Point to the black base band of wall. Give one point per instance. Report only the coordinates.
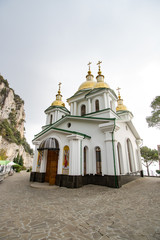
(37, 177)
(79, 181)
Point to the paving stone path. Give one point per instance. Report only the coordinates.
(91, 212)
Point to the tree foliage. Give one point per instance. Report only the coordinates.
(149, 155)
(18, 160)
(3, 155)
(154, 119)
(12, 135)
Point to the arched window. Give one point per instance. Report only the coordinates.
(119, 153)
(83, 110)
(85, 158)
(51, 119)
(130, 155)
(97, 105)
(98, 161)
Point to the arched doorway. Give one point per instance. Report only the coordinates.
(51, 144)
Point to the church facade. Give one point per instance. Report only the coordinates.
(93, 143)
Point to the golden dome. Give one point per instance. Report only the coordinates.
(101, 85)
(121, 106)
(89, 83)
(58, 101)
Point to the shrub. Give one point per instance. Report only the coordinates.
(23, 168)
(17, 168)
(158, 171)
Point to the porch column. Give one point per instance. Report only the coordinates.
(44, 162)
(75, 161)
(34, 165)
(111, 162)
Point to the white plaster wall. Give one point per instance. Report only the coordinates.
(79, 104)
(56, 115)
(121, 136)
(101, 103)
(97, 139)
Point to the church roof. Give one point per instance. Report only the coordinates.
(61, 107)
(55, 125)
(51, 127)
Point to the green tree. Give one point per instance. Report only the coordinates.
(149, 155)
(21, 161)
(154, 119)
(18, 160)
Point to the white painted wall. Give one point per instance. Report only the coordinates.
(121, 136)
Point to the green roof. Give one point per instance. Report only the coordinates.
(100, 111)
(52, 107)
(61, 130)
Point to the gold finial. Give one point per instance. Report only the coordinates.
(99, 62)
(119, 96)
(59, 91)
(89, 71)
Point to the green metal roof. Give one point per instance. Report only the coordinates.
(52, 107)
(61, 130)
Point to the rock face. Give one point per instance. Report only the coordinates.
(12, 112)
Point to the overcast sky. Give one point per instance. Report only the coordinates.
(44, 42)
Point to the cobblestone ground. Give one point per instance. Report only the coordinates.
(91, 212)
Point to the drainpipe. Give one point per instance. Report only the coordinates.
(81, 157)
(116, 182)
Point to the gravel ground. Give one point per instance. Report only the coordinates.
(42, 212)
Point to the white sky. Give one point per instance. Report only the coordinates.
(43, 42)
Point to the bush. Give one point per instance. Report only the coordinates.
(23, 168)
(17, 168)
(158, 171)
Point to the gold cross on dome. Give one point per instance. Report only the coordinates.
(89, 65)
(118, 92)
(59, 85)
(99, 62)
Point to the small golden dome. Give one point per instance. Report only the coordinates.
(89, 83)
(121, 106)
(100, 79)
(58, 101)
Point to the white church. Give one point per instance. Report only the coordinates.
(93, 143)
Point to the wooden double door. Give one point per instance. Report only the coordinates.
(51, 169)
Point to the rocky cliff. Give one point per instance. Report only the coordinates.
(12, 118)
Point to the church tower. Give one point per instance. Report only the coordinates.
(57, 110)
(94, 98)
